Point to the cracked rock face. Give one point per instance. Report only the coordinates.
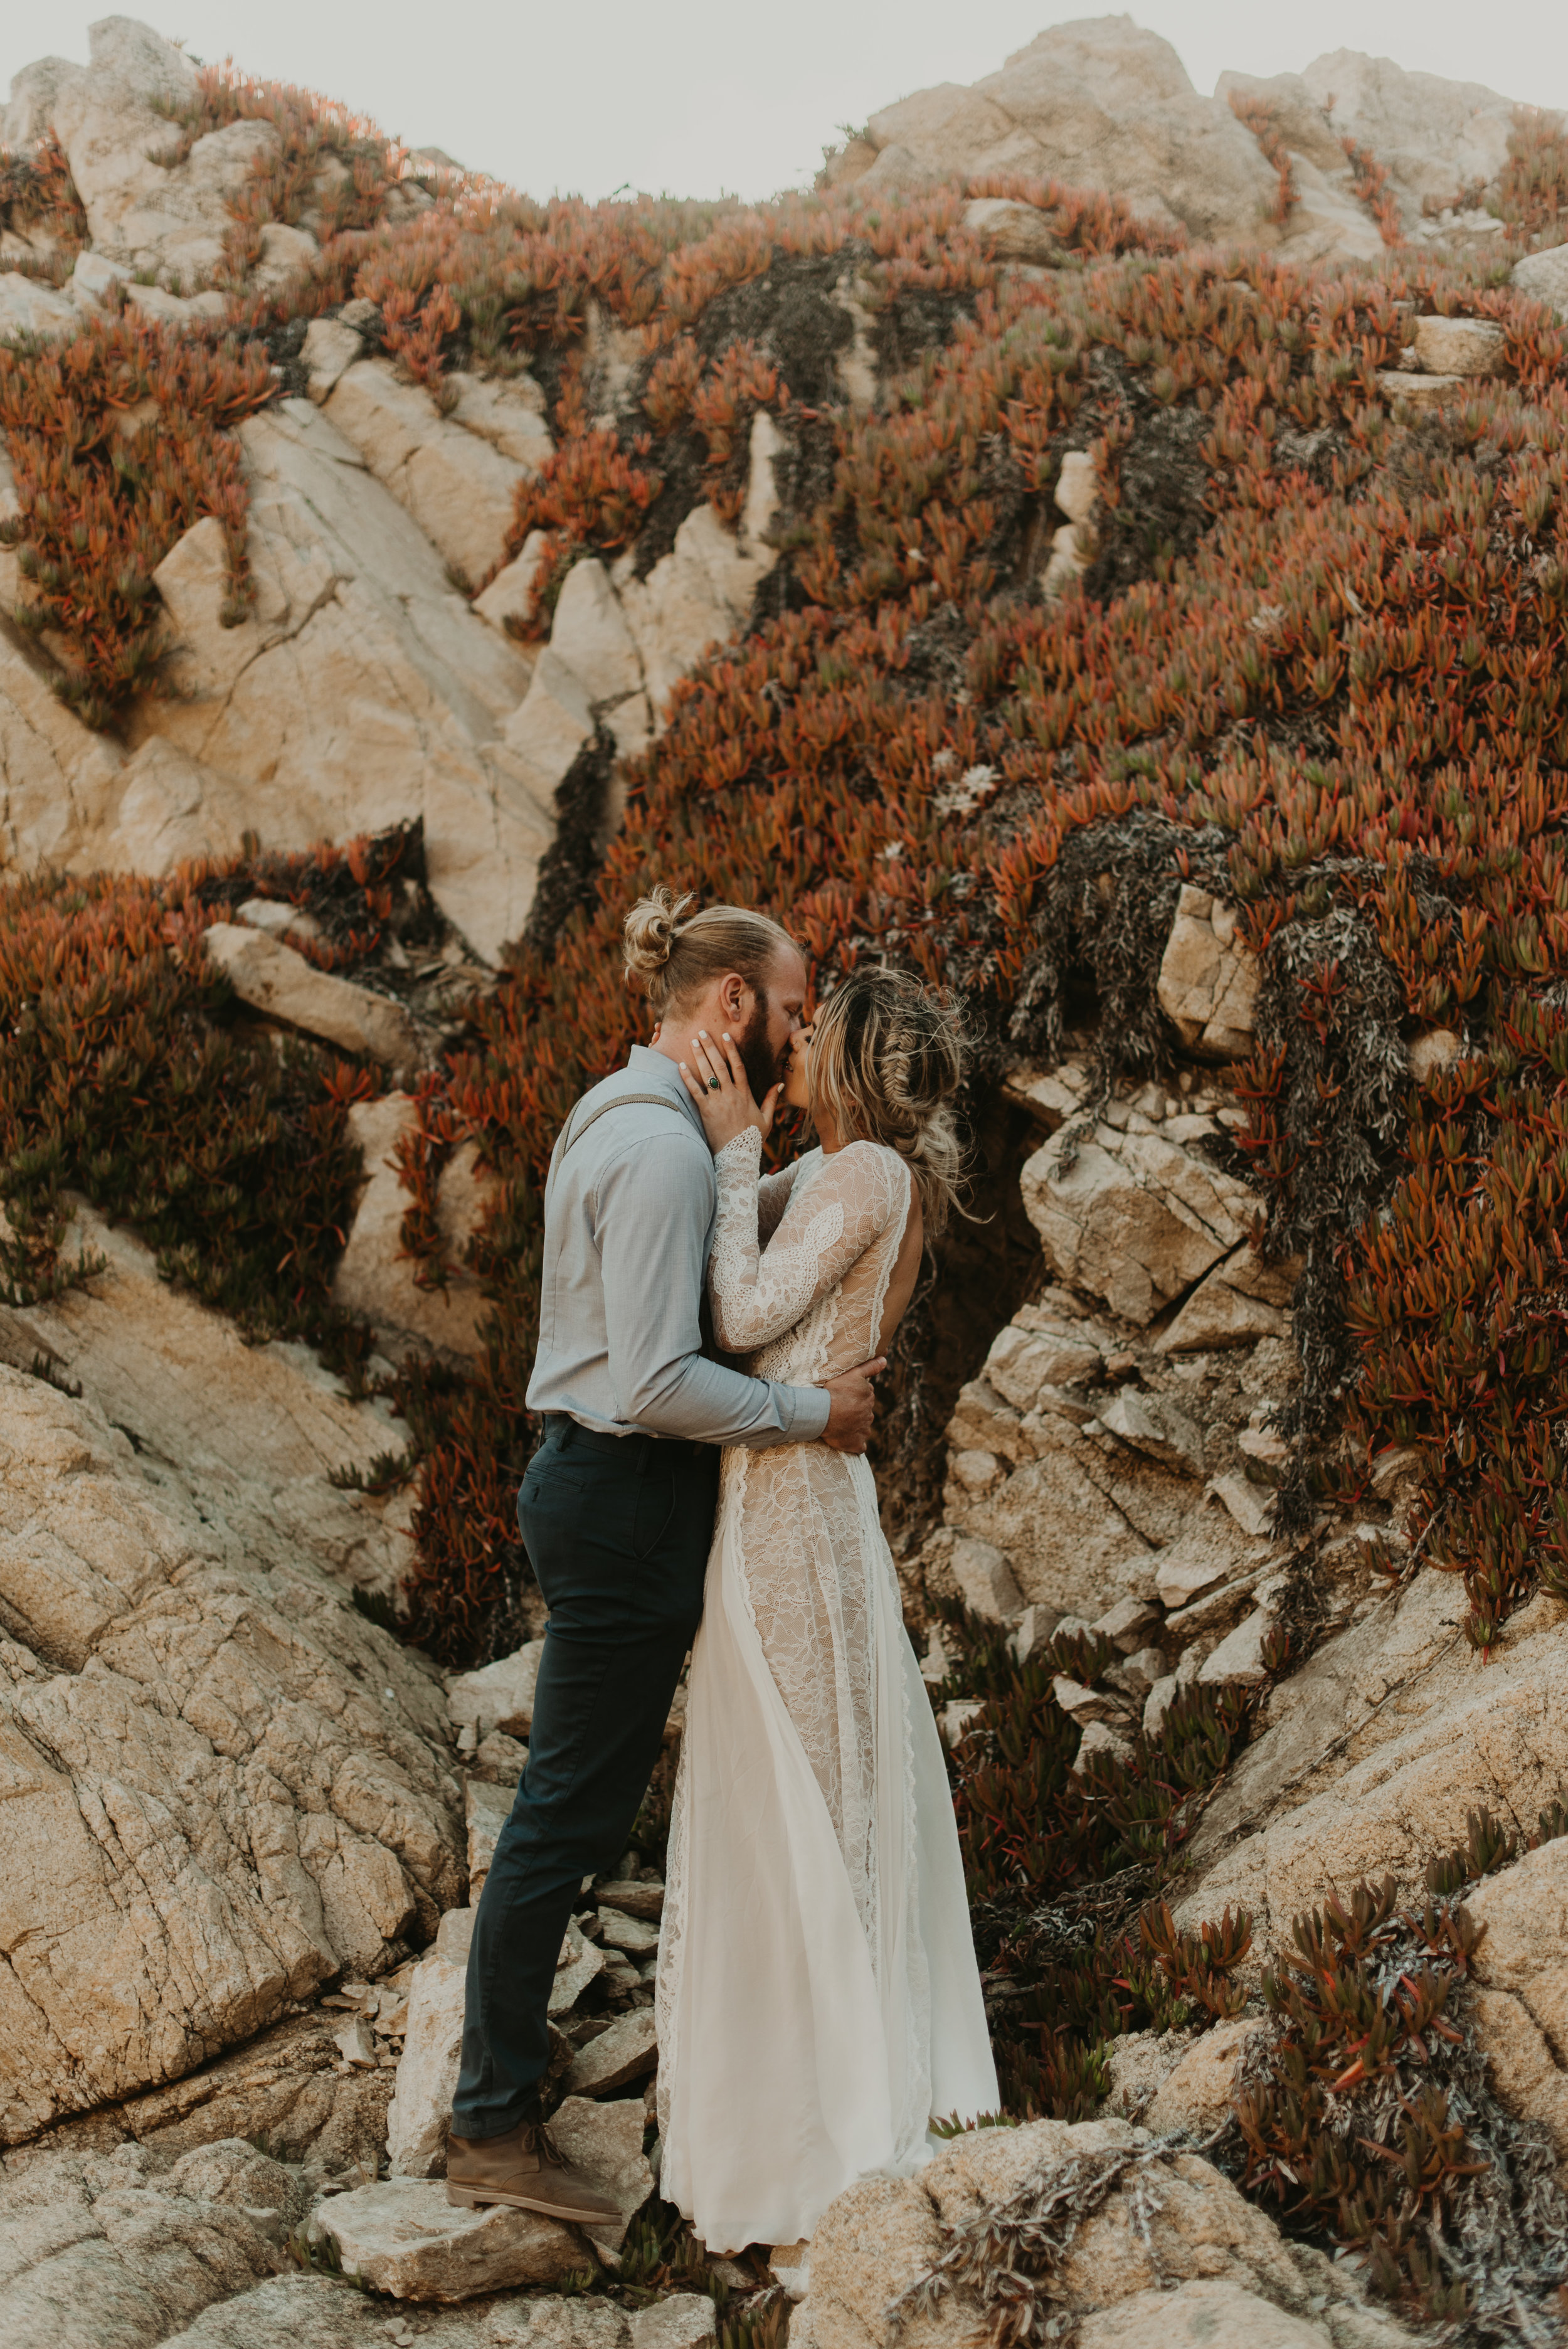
(458, 484)
(1207, 983)
(1135, 1219)
(1170, 2226)
(223, 1783)
(1083, 1492)
(1102, 102)
(1374, 1751)
(131, 2249)
(362, 689)
(242, 1439)
(1068, 1511)
(125, 2250)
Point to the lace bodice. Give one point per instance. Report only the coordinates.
(798, 1278)
(801, 1259)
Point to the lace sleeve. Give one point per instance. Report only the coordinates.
(773, 1198)
(758, 1293)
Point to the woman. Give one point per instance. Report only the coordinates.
(818, 1997)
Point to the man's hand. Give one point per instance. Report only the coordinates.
(852, 1406)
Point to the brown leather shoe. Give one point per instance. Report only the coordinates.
(526, 2168)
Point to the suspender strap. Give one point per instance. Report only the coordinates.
(659, 1100)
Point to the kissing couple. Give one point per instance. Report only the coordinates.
(817, 2000)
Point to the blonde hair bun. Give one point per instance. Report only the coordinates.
(652, 927)
(672, 955)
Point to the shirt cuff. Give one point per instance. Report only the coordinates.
(806, 1413)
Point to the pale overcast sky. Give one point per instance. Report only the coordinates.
(695, 96)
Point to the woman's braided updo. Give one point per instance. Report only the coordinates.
(886, 1062)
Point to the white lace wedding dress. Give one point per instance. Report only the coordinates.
(818, 1997)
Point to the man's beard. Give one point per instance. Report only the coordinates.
(764, 1066)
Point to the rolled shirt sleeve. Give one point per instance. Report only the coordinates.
(651, 1222)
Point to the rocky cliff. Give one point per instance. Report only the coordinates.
(1102, 548)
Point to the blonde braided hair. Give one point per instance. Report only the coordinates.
(886, 1062)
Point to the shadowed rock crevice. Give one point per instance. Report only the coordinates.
(568, 866)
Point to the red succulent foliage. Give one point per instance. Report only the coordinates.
(39, 204)
(1354, 671)
(803, 769)
(127, 1080)
(329, 169)
(1258, 115)
(1532, 186)
(120, 440)
(1373, 187)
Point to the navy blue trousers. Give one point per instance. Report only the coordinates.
(617, 1529)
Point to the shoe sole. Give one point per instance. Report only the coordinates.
(474, 2198)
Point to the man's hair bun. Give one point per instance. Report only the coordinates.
(652, 928)
(672, 955)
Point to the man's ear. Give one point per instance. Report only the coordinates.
(732, 995)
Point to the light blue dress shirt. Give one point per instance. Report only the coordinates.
(628, 1228)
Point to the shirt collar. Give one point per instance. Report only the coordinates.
(652, 1068)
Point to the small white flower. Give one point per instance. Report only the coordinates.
(974, 787)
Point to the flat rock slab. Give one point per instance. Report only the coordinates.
(1420, 390)
(686, 2321)
(1459, 345)
(272, 979)
(498, 1695)
(405, 2238)
(489, 1809)
(632, 1897)
(320, 2312)
(618, 2056)
(622, 1932)
(605, 2140)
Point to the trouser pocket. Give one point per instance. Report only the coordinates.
(618, 1548)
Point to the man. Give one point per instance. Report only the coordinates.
(617, 1505)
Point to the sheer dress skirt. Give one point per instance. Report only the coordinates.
(818, 1997)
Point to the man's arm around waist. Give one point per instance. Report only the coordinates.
(652, 1227)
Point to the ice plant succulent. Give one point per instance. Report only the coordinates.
(121, 438)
